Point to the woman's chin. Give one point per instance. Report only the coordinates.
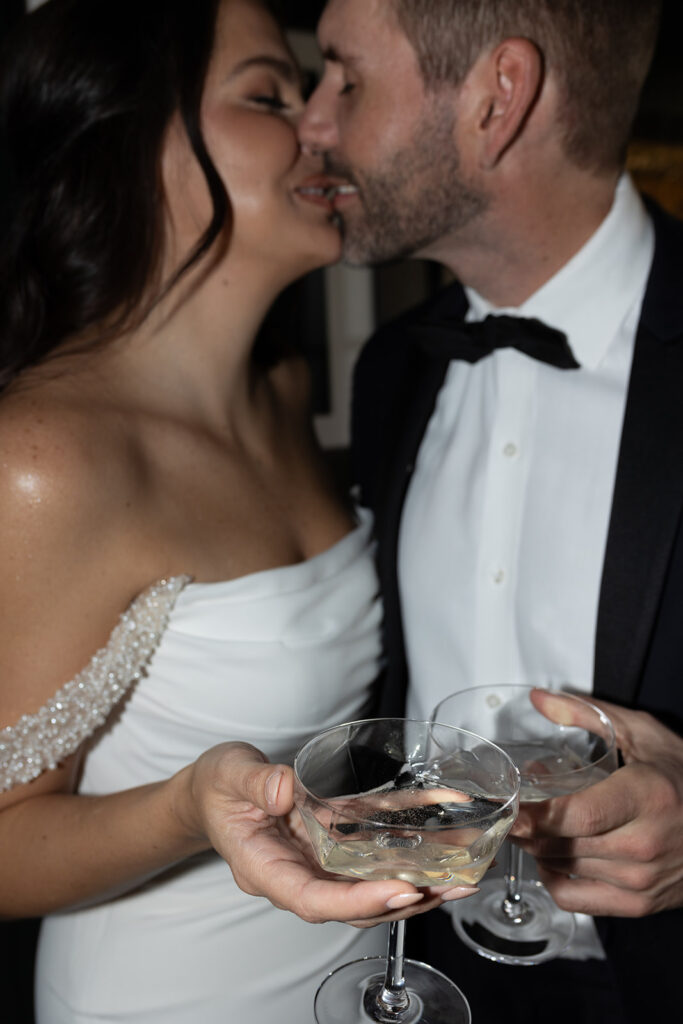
(316, 261)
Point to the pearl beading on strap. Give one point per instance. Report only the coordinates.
(40, 741)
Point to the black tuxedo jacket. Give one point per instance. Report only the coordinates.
(639, 641)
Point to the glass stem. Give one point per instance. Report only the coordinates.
(514, 907)
(393, 998)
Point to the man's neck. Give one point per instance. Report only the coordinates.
(526, 239)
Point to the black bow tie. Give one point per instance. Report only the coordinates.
(471, 341)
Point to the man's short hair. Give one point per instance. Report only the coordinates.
(599, 51)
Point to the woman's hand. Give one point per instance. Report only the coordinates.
(244, 806)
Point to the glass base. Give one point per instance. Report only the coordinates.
(483, 926)
(348, 996)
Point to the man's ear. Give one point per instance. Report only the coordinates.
(509, 80)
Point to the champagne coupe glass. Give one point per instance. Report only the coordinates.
(518, 922)
(392, 798)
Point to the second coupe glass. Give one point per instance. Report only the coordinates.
(519, 922)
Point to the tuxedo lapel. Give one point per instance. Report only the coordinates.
(427, 375)
(396, 383)
(648, 493)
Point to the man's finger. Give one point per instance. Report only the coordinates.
(571, 710)
(621, 874)
(641, 736)
(598, 898)
(604, 846)
(604, 806)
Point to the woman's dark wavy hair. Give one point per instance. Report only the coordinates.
(87, 90)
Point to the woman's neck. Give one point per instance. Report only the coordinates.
(192, 356)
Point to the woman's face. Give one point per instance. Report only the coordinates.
(281, 223)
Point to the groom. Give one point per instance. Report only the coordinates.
(527, 483)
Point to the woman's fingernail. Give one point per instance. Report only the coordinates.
(273, 788)
(404, 899)
(458, 891)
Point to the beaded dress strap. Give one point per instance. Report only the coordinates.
(40, 741)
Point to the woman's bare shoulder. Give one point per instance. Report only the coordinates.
(70, 563)
(58, 457)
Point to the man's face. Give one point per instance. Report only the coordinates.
(390, 138)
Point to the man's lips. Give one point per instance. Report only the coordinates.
(343, 194)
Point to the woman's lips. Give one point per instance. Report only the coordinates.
(325, 190)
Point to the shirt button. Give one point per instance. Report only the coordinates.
(499, 576)
(510, 450)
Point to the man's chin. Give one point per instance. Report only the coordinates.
(363, 250)
(356, 254)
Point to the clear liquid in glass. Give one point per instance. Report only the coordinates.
(425, 836)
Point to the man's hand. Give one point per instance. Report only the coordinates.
(244, 806)
(616, 848)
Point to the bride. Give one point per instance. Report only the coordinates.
(185, 598)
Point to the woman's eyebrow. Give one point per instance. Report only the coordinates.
(282, 67)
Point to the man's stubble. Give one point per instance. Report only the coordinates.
(412, 200)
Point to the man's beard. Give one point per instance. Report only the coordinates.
(417, 198)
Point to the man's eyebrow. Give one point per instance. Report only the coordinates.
(282, 67)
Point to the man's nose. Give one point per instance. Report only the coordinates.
(317, 129)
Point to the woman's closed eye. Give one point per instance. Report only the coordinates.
(271, 101)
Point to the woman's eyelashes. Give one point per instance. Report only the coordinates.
(273, 102)
(276, 101)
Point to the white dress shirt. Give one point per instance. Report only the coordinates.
(504, 527)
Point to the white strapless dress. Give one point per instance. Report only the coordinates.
(270, 658)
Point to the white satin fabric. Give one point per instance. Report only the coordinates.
(270, 658)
